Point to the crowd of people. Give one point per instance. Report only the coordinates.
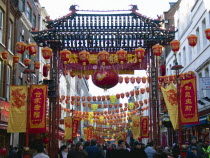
(92, 149)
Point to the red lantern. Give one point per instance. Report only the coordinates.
(88, 98)
(132, 93)
(70, 141)
(32, 49)
(65, 55)
(142, 90)
(163, 70)
(65, 72)
(46, 69)
(99, 98)
(3, 151)
(87, 77)
(139, 138)
(126, 79)
(132, 79)
(105, 79)
(157, 50)
(139, 54)
(37, 65)
(103, 57)
(16, 59)
(121, 79)
(4, 55)
(122, 95)
(118, 96)
(45, 140)
(192, 40)
(175, 45)
(26, 61)
(138, 79)
(144, 79)
(84, 57)
(145, 101)
(127, 94)
(46, 53)
(79, 76)
(147, 89)
(122, 54)
(94, 98)
(207, 32)
(137, 92)
(20, 47)
(72, 74)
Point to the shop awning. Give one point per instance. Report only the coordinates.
(202, 120)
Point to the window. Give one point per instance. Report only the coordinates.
(198, 44)
(184, 56)
(179, 59)
(28, 12)
(10, 38)
(190, 53)
(9, 70)
(22, 5)
(21, 40)
(34, 20)
(201, 91)
(1, 78)
(206, 92)
(203, 34)
(1, 25)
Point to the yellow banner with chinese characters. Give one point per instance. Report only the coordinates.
(170, 97)
(85, 131)
(67, 127)
(136, 126)
(17, 109)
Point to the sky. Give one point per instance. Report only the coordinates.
(149, 8)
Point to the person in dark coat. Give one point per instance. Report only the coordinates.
(175, 150)
(93, 151)
(78, 152)
(192, 153)
(137, 151)
(12, 152)
(63, 151)
(121, 151)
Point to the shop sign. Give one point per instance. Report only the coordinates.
(205, 83)
(4, 111)
(154, 83)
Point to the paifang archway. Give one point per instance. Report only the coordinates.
(92, 31)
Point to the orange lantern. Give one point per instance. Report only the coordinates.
(89, 105)
(207, 32)
(122, 54)
(84, 57)
(137, 92)
(78, 98)
(141, 103)
(126, 79)
(145, 101)
(37, 65)
(127, 94)
(103, 98)
(94, 98)
(144, 79)
(72, 74)
(122, 95)
(132, 79)
(138, 79)
(16, 59)
(105, 105)
(20, 47)
(99, 98)
(142, 90)
(118, 96)
(139, 53)
(4, 55)
(88, 98)
(175, 45)
(26, 61)
(192, 40)
(46, 53)
(147, 89)
(132, 93)
(72, 98)
(157, 50)
(87, 77)
(32, 49)
(103, 57)
(65, 55)
(120, 79)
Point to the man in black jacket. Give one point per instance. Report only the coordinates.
(137, 151)
(121, 151)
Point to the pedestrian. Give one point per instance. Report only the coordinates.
(79, 152)
(93, 151)
(63, 151)
(109, 150)
(192, 152)
(120, 151)
(175, 150)
(150, 151)
(40, 152)
(137, 151)
(87, 144)
(12, 152)
(101, 148)
(198, 151)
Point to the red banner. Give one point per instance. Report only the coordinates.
(188, 101)
(38, 95)
(90, 133)
(75, 124)
(4, 111)
(145, 127)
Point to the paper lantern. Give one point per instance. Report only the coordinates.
(175, 45)
(37, 65)
(126, 79)
(157, 50)
(122, 95)
(145, 101)
(132, 79)
(3, 151)
(20, 47)
(46, 53)
(46, 69)
(192, 40)
(105, 79)
(138, 79)
(4, 55)
(127, 94)
(16, 59)
(142, 90)
(118, 96)
(139, 53)
(122, 55)
(72, 74)
(31, 49)
(103, 57)
(45, 140)
(65, 55)
(120, 79)
(84, 57)
(99, 98)
(144, 79)
(207, 32)
(87, 77)
(132, 93)
(26, 61)
(79, 76)
(162, 70)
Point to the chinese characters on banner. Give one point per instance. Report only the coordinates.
(144, 127)
(38, 96)
(67, 127)
(136, 126)
(76, 122)
(154, 84)
(188, 101)
(17, 109)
